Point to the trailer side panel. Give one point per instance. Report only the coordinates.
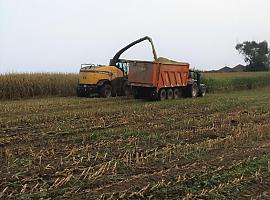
(172, 75)
(158, 75)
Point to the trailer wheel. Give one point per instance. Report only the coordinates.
(169, 94)
(193, 90)
(153, 95)
(105, 91)
(162, 94)
(176, 93)
(137, 93)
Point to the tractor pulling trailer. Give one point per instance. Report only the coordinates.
(160, 80)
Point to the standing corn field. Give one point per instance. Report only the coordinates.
(27, 85)
(231, 81)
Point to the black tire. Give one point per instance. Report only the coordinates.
(80, 93)
(202, 94)
(105, 91)
(177, 93)
(170, 94)
(193, 90)
(153, 96)
(136, 93)
(162, 94)
(126, 89)
(202, 90)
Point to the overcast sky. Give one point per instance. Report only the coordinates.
(59, 35)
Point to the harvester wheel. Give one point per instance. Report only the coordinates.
(105, 91)
(176, 93)
(162, 94)
(169, 93)
(126, 89)
(80, 93)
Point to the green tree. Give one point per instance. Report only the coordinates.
(256, 55)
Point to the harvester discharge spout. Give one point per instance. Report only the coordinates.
(118, 54)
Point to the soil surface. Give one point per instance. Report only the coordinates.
(215, 147)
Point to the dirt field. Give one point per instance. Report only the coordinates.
(217, 147)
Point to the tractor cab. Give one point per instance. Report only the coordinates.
(195, 76)
(196, 87)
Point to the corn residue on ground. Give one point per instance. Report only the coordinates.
(216, 147)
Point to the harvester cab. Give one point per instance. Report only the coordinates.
(111, 80)
(123, 65)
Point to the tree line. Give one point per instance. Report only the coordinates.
(256, 55)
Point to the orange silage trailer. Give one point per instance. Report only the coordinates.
(157, 80)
